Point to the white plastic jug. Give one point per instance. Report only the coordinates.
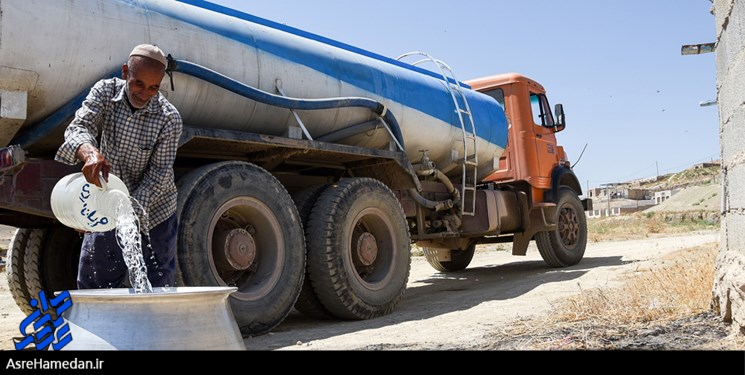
(81, 205)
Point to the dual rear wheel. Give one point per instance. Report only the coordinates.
(238, 226)
(358, 249)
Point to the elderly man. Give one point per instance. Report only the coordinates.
(126, 127)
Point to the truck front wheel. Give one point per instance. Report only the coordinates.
(239, 227)
(565, 246)
(358, 249)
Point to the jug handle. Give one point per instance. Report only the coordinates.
(104, 187)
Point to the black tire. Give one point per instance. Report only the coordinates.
(358, 216)
(51, 261)
(308, 302)
(566, 245)
(14, 270)
(239, 227)
(459, 259)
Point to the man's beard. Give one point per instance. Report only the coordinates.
(129, 98)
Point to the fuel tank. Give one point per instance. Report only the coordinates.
(52, 51)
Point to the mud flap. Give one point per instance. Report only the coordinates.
(542, 218)
(587, 204)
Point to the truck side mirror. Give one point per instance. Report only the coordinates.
(560, 120)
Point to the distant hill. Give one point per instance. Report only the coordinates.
(694, 189)
(693, 176)
(692, 198)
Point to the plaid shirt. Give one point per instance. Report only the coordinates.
(140, 146)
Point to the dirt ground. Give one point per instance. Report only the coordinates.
(470, 310)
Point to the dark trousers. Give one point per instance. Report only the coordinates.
(102, 264)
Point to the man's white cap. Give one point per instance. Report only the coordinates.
(150, 51)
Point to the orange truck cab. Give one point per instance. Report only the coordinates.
(534, 194)
(532, 154)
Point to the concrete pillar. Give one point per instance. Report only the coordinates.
(729, 283)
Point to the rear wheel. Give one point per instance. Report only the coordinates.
(358, 249)
(239, 227)
(459, 259)
(51, 260)
(308, 302)
(14, 270)
(565, 246)
(42, 259)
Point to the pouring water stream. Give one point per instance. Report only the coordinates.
(130, 241)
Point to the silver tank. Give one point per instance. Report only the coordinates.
(52, 51)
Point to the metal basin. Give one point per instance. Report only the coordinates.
(183, 318)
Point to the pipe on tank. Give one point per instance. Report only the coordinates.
(436, 205)
(253, 93)
(432, 205)
(59, 117)
(438, 175)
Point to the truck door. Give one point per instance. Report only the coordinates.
(545, 140)
(505, 160)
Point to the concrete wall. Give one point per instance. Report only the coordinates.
(605, 212)
(729, 283)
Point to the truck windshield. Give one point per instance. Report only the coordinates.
(541, 110)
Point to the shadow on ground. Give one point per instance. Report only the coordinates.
(439, 294)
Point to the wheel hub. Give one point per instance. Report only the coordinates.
(568, 227)
(367, 249)
(236, 249)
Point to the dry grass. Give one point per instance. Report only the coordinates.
(640, 225)
(663, 306)
(679, 286)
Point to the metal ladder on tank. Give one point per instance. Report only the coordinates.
(470, 161)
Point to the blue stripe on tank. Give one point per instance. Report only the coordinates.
(383, 79)
(307, 35)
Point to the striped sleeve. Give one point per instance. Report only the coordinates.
(84, 127)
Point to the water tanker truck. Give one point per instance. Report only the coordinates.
(307, 168)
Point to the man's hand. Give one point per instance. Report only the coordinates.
(94, 164)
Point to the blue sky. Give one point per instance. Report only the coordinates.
(616, 66)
